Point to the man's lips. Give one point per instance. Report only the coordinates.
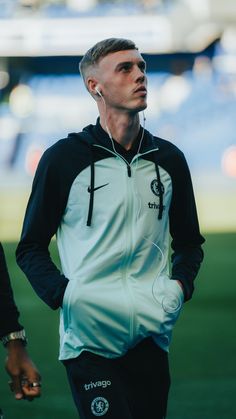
(141, 89)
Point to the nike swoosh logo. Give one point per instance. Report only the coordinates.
(98, 187)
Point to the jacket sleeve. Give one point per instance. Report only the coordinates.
(9, 313)
(184, 228)
(44, 210)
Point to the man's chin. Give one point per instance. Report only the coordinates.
(141, 107)
(136, 107)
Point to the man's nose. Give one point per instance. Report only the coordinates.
(140, 76)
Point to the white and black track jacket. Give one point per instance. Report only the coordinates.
(112, 211)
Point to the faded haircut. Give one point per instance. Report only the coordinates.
(100, 50)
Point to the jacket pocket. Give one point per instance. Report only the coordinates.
(174, 298)
(169, 294)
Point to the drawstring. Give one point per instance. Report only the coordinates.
(91, 188)
(160, 190)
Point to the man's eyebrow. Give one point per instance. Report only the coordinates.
(121, 64)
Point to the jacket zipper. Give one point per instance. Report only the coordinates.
(128, 257)
(117, 155)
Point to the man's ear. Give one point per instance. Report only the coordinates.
(91, 86)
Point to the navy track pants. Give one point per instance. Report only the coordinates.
(134, 386)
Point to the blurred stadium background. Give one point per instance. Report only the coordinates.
(190, 49)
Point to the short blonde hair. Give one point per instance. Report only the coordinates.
(101, 49)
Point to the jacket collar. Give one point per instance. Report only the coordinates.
(101, 137)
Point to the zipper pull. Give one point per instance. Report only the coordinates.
(129, 170)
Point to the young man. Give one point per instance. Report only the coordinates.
(112, 194)
(24, 375)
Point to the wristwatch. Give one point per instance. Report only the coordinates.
(20, 334)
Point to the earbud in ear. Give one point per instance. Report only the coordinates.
(98, 91)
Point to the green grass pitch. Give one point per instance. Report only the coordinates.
(202, 354)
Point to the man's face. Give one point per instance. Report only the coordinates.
(122, 80)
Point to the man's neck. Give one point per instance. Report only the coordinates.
(123, 128)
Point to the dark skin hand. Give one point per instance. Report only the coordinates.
(25, 378)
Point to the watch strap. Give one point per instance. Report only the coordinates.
(18, 335)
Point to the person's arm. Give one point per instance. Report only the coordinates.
(9, 314)
(184, 228)
(19, 366)
(42, 218)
